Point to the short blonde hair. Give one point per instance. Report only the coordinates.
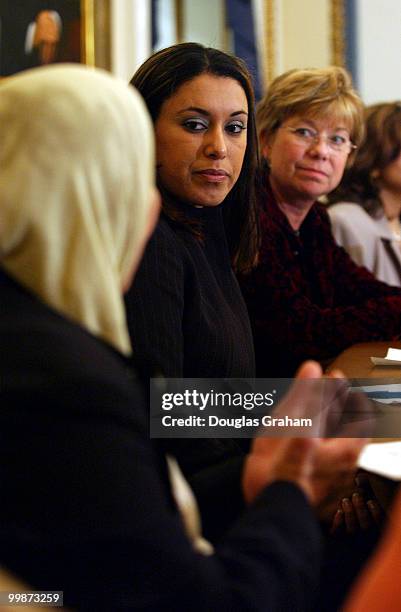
(317, 92)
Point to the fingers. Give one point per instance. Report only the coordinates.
(338, 522)
(339, 453)
(298, 457)
(334, 469)
(330, 395)
(269, 447)
(356, 514)
(363, 516)
(321, 400)
(350, 518)
(309, 369)
(376, 512)
(335, 399)
(303, 400)
(374, 508)
(336, 374)
(291, 461)
(316, 465)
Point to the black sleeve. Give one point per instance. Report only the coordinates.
(155, 305)
(86, 509)
(219, 495)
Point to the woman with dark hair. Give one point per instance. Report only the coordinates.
(365, 216)
(186, 314)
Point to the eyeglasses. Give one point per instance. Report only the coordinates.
(306, 136)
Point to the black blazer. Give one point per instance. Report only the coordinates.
(85, 502)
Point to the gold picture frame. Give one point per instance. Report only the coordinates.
(95, 33)
(338, 42)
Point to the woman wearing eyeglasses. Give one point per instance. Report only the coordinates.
(306, 298)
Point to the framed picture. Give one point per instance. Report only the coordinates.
(39, 32)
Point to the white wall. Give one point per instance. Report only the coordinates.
(303, 34)
(131, 29)
(204, 22)
(166, 24)
(130, 35)
(379, 50)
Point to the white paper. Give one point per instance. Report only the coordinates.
(393, 353)
(383, 459)
(393, 358)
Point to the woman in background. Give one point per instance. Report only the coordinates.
(307, 298)
(365, 217)
(86, 503)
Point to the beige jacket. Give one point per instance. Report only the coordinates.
(368, 241)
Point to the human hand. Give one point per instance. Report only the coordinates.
(360, 511)
(287, 458)
(274, 459)
(316, 465)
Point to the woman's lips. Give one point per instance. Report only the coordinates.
(314, 171)
(212, 176)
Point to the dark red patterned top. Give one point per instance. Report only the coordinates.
(307, 299)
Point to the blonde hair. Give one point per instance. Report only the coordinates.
(316, 92)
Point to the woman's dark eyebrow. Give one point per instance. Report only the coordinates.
(202, 111)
